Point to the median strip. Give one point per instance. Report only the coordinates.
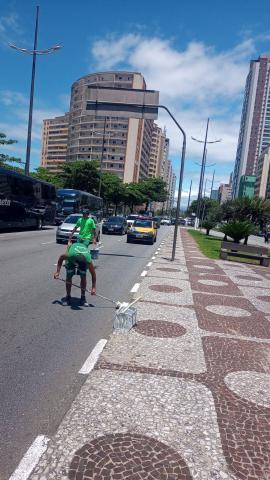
(93, 357)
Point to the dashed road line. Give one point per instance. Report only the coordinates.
(149, 264)
(153, 258)
(135, 288)
(144, 273)
(47, 243)
(93, 357)
(31, 458)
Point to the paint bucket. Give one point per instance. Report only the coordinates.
(125, 318)
(95, 254)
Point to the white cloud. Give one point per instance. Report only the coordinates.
(9, 28)
(195, 82)
(10, 97)
(119, 49)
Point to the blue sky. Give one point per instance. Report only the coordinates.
(195, 53)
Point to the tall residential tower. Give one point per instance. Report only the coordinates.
(254, 133)
(121, 145)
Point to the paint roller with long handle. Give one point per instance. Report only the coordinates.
(117, 304)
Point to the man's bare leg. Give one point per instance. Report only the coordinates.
(94, 278)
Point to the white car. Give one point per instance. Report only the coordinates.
(131, 219)
(165, 221)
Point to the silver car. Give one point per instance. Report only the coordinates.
(63, 230)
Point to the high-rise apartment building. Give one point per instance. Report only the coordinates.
(121, 145)
(247, 186)
(54, 143)
(262, 184)
(225, 192)
(156, 152)
(254, 133)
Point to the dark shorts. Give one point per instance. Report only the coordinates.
(74, 270)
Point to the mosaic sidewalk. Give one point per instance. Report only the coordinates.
(185, 395)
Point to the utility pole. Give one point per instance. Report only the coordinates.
(213, 178)
(189, 195)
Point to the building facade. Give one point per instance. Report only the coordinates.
(224, 192)
(156, 152)
(247, 186)
(262, 185)
(215, 195)
(54, 143)
(121, 145)
(254, 133)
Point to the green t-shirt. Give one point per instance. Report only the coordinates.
(87, 226)
(78, 249)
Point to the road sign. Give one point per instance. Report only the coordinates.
(122, 102)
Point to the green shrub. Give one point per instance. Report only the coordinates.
(238, 230)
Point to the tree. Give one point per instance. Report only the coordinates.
(238, 229)
(154, 190)
(112, 190)
(207, 204)
(209, 223)
(133, 195)
(42, 173)
(256, 210)
(5, 159)
(81, 175)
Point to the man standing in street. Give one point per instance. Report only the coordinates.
(87, 228)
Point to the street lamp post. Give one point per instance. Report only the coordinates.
(34, 53)
(203, 166)
(140, 109)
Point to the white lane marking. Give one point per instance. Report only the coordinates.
(93, 357)
(157, 252)
(135, 288)
(31, 458)
(158, 249)
(144, 273)
(153, 258)
(149, 264)
(47, 243)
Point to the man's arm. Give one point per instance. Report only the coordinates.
(75, 228)
(59, 265)
(94, 232)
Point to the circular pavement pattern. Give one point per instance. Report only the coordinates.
(249, 278)
(125, 457)
(228, 311)
(165, 288)
(253, 386)
(214, 283)
(205, 267)
(159, 328)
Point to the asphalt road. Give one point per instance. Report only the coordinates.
(43, 344)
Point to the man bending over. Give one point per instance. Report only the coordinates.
(78, 260)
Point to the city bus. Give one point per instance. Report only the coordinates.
(74, 201)
(25, 201)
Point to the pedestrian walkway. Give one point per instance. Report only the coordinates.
(185, 394)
